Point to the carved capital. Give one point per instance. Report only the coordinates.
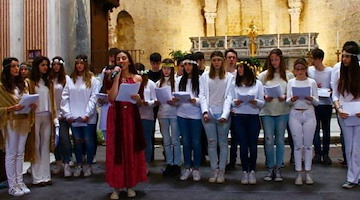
(295, 4)
(210, 17)
(294, 12)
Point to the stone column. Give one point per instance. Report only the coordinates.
(294, 11)
(210, 23)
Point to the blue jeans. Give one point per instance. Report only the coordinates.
(323, 116)
(247, 128)
(274, 126)
(190, 131)
(83, 138)
(148, 126)
(171, 140)
(64, 145)
(217, 135)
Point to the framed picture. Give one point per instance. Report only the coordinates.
(33, 53)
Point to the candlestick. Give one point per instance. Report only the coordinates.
(278, 40)
(309, 42)
(225, 42)
(199, 47)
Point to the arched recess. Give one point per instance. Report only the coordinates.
(125, 33)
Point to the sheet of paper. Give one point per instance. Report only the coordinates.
(273, 91)
(245, 98)
(351, 107)
(301, 92)
(182, 96)
(78, 122)
(324, 92)
(26, 100)
(163, 94)
(102, 96)
(126, 90)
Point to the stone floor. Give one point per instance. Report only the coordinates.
(328, 181)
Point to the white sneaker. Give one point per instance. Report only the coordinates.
(252, 178)
(245, 178)
(185, 175)
(269, 175)
(24, 188)
(67, 171)
(114, 194)
(220, 178)
(16, 192)
(87, 170)
(77, 171)
(28, 170)
(308, 179)
(131, 193)
(214, 176)
(299, 180)
(196, 175)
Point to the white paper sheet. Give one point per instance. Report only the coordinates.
(351, 107)
(301, 92)
(126, 90)
(163, 94)
(26, 100)
(273, 91)
(182, 96)
(245, 98)
(324, 92)
(78, 122)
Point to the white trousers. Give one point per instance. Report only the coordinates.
(14, 157)
(352, 150)
(302, 125)
(40, 168)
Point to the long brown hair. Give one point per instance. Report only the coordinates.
(61, 75)
(35, 74)
(270, 68)
(350, 75)
(172, 74)
(222, 71)
(87, 75)
(249, 78)
(9, 82)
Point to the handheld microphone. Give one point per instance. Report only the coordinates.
(115, 73)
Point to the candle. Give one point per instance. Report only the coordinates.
(278, 40)
(337, 40)
(309, 42)
(225, 42)
(199, 47)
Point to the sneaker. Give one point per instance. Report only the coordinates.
(220, 177)
(56, 168)
(299, 179)
(230, 166)
(77, 171)
(87, 170)
(316, 159)
(168, 171)
(114, 194)
(245, 178)
(176, 171)
(94, 161)
(252, 178)
(131, 193)
(196, 175)
(308, 179)
(28, 170)
(185, 175)
(327, 160)
(67, 171)
(214, 175)
(278, 177)
(16, 192)
(24, 188)
(269, 176)
(348, 185)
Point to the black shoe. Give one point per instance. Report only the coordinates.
(316, 159)
(168, 171)
(292, 161)
(327, 160)
(230, 166)
(176, 170)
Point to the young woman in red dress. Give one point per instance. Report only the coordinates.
(125, 155)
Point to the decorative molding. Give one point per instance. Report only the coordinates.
(4, 29)
(210, 17)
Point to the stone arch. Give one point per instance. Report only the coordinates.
(125, 34)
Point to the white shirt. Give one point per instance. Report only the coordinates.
(44, 97)
(147, 112)
(58, 89)
(166, 110)
(246, 108)
(188, 110)
(324, 78)
(303, 103)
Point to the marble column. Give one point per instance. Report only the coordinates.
(210, 23)
(17, 29)
(294, 18)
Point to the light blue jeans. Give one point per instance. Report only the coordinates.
(148, 126)
(274, 126)
(217, 135)
(171, 140)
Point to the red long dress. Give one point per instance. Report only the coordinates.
(130, 167)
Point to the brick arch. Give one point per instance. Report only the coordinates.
(125, 34)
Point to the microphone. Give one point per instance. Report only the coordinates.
(115, 73)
